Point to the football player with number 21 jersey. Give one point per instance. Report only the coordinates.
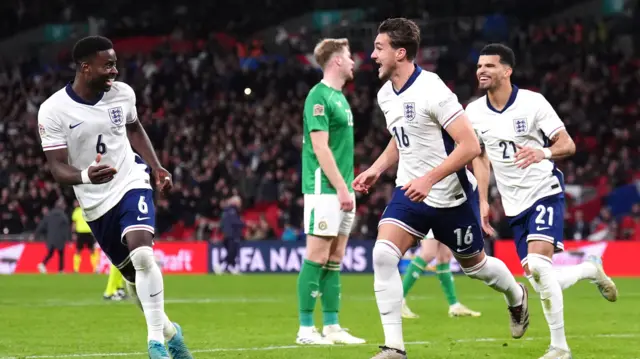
(434, 190)
(87, 131)
(522, 135)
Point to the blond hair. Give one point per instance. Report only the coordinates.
(326, 48)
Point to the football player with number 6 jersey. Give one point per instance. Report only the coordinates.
(431, 141)
(87, 131)
(522, 135)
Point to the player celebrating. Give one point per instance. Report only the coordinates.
(430, 249)
(95, 118)
(435, 191)
(522, 135)
(329, 202)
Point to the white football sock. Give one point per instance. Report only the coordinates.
(388, 289)
(494, 273)
(167, 329)
(551, 297)
(568, 276)
(150, 290)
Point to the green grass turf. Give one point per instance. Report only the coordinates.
(255, 316)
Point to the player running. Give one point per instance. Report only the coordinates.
(329, 202)
(434, 190)
(95, 118)
(430, 249)
(522, 135)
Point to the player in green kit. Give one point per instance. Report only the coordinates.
(430, 249)
(329, 201)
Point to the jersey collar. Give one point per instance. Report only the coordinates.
(74, 96)
(410, 81)
(512, 99)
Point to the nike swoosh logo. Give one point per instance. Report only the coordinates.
(462, 250)
(142, 218)
(542, 228)
(76, 125)
(153, 295)
(483, 132)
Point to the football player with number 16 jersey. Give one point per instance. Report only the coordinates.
(434, 190)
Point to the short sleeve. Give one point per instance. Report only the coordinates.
(443, 104)
(51, 132)
(316, 117)
(132, 115)
(547, 119)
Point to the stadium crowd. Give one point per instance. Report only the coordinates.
(223, 130)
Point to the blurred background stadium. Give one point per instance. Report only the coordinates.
(220, 87)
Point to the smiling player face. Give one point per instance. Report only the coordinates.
(491, 72)
(385, 56)
(102, 71)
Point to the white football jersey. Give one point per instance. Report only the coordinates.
(417, 117)
(527, 120)
(84, 129)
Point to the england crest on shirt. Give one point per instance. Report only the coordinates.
(520, 126)
(409, 111)
(116, 115)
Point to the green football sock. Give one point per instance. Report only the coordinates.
(308, 291)
(330, 289)
(415, 268)
(446, 281)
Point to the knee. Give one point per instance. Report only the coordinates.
(385, 254)
(538, 265)
(444, 256)
(337, 255)
(318, 250)
(128, 273)
(317, 256)
(142, 258)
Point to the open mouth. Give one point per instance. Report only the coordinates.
(484, 79)
(109, 82)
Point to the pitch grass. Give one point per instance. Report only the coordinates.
(255, 316)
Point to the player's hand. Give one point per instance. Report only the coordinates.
(98, 173)
(163, 180)
(417, 189)
(527, 156)
(365, 180)
(346, 201)
(484, 215)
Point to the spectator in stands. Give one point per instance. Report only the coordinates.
(578, 229)
(604, 227)
(631, 224)
(218, 142)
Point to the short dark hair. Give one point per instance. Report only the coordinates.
(507, 57)
(89, 46)
(403, 33)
